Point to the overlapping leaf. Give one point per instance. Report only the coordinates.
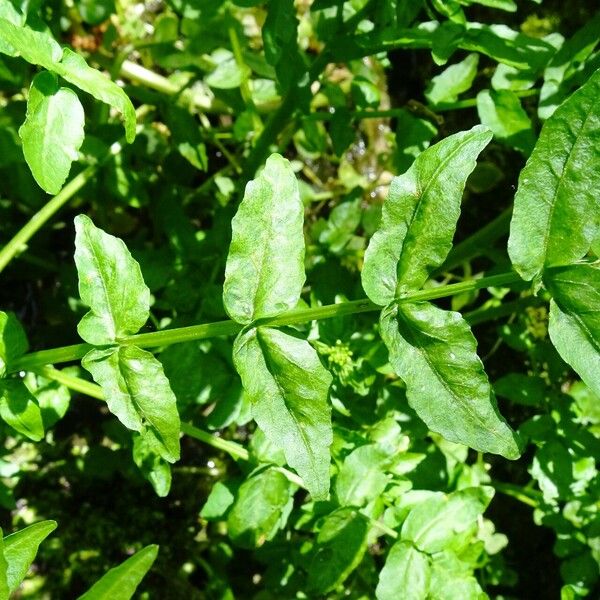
(289, 387)
(20, 409)
(406, 574)
(557, 209)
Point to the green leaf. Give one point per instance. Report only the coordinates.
(40, 48)
(433, 523)
(265, 266)
(419, 217)
(362, 476)
(53, 131)
(341, 544)
(4, 589)
(13, 341)
(227, 74)
(405, 575)
(138, 394)
(502, 112)
(20, 410)
(453, 81)
(261, 508)
(569, 59)
(557, 211)
(452, 579)
(434, 352)
(110, 283)
(218, 502)
(574, 326)
(20, 549)
(75, 70)
(154, 468)
(121, 582)
(288, 388)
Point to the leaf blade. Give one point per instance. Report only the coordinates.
(110, 283)
(288, 388)
(20, 409)
(121, 581)
(406, 574)
(20, 549)
(434, 352)
(419, 217)
(53, 131)
(139, 395)
(574, 325)
(265, 265)
(556, 213)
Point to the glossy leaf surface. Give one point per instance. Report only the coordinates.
(53, 131)
(419, 217)
(289, 387)
(575, 319)
(110, 283)
(557, 209)
(138, 394)
(265, 266)
(20, 549)
(13, 341)
(121, 582)
(434, 352)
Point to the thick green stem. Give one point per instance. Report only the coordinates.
(225, 328)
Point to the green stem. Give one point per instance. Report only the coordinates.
(19, 241)
(530, 497)
(225, 328)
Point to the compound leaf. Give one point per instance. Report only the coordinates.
(557, 209)
(574, 326)
(138, 394)
(121, 582)
(419, 217)
(265, 266)
(434, 352)
(110, 283)
(406, 574)
(20, 409)
(53, 131)
(20, 549)
(288, 387)
(432, 524)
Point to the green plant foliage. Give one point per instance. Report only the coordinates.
(53, 131)
(122, 581)
(555, 218)
(323, 323)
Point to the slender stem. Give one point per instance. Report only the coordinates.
(530, 497)
(19, 241)
(225, 328)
